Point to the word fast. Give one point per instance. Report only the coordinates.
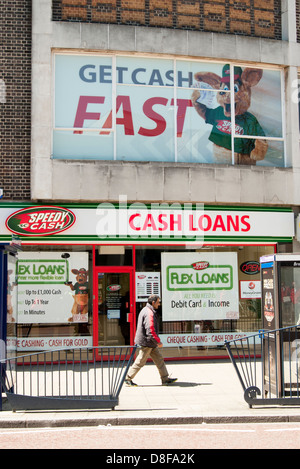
(123, 103)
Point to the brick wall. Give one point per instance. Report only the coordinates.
(298, 19)
(261, 18)
(15, 98)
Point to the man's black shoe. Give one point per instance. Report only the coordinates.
(169, 381)
(128, 382)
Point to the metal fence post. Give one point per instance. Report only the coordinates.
(3, 314)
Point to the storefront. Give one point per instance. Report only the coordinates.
(84, 271)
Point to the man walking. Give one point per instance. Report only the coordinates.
(147, 339)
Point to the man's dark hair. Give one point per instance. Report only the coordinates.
(153, 298)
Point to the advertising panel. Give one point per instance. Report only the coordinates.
(153, 109)
(271, 344)
(268, 295)
(52, 287)
(250, 289)
(199, 286)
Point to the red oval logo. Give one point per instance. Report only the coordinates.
(40, 221)
(200, 265)
(113, 288)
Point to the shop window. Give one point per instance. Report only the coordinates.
(50, 298)
(197, 313)
(130, 108)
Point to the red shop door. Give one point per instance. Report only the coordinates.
(113, 306)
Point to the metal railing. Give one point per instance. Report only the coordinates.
(268, 366)
(81, 378)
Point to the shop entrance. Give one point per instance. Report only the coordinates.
(113, 306)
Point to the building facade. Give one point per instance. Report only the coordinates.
(148, 147)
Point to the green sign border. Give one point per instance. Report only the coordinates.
(176, 239)
(199, 289)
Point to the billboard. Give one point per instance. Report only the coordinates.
(131, 108)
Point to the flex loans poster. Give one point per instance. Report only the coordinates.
(52, 287)
(199, 286)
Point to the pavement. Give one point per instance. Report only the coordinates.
(206, 392)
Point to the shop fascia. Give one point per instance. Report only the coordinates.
(138, 223)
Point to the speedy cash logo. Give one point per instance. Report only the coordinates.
(40, 221)
(225, 127)
(200, 265)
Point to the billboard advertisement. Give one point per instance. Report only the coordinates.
(130, 108)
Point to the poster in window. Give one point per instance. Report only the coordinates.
(199, 286)
(53, 287)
